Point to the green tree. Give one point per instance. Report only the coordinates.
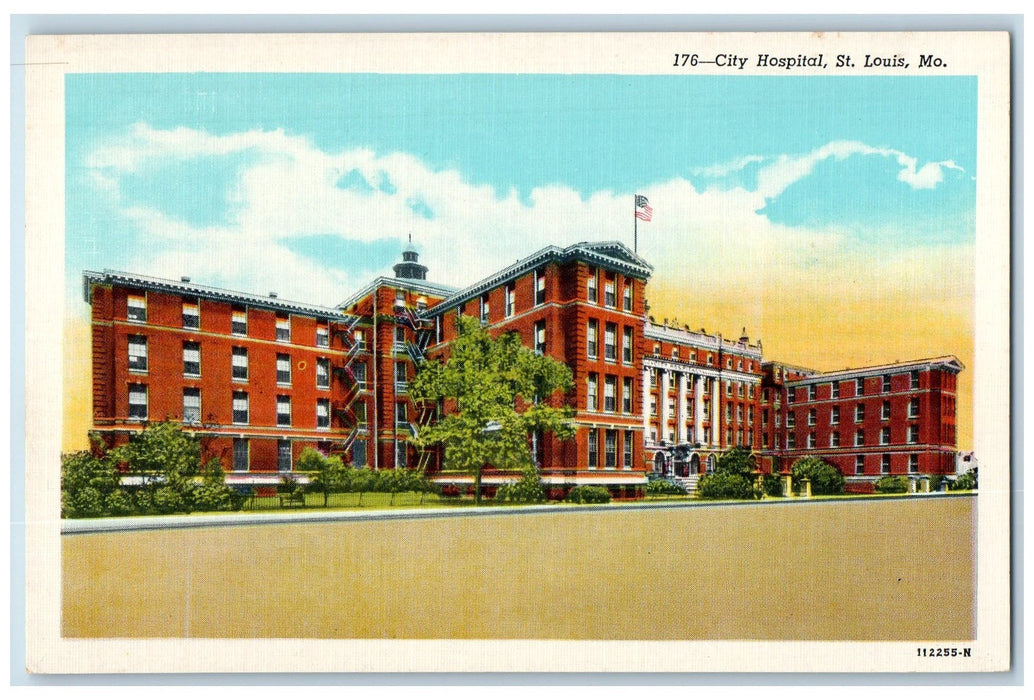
(168, 458)
(965, 482)
(329, 474)
(737, 461)
(824, 477)
(88, 486)
(492, 380)
(734, 474)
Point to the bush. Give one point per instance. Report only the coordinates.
(168, 500)
(86, 502)
(589, 494)
(86, 483)
(892, 484)
(825, 478)
(723, 485)
(772, 485)
(965, 482)
(118, 502)
(663, 487)
(528, 490)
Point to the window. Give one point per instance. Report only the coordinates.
(192, 359)
(540, 337)
(137, 353)
(359, 453)
(859, 438)
(728, 412)
(859, 386)
(239, 322)
(884, 436)
(791, 441)
(913, 408)
(629, 444)
(484, 309)
(653, 405)
(811, 440)
(885, 412)
(834, 415)
(322, 336)
(592, 338)
(610, 388)
(609, 295)
(401, 373)
(811, 416)
(627, 297)
(240, 363)
(791, 394)
(791, 420)
(626, 395)
(739, 413)
(138, 402)
(360, 413)
(886, 382)
(859, 413)
(592, 293)
(240, 455)
(402, 413)
(283, 455)
(626, 346)
(610, 351)
(593, 447)
(834, 390)
(283, 410)
(914, 379)
(283, 329)
(834, 439)
(191, 315)
(401, 454)
(859, 464)
(191, 406)
(540, 287)
(283, 369)
(728, 389)
(913, 464)
(240, 407)
(913, 434)
(750, 391)
(509, 300)
(400, 337)
(885, 464)
(359, 374)
(136, 308)
(739, 389)
(359, 337)
(322, 414)
(610, 449)
(812, 390)
(592, 402)
(322, 373)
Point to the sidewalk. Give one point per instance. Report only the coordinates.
(167, 522)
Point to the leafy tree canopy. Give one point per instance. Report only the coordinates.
(162, 449)
(825, 478)
(737, 461)
(492, 380)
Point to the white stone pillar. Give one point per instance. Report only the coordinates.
(698, 410)
(680, 429)
(716, 412)
(662, 434)
(646, 403)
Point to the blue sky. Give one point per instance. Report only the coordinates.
(310, 184)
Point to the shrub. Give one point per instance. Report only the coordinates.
(965, 482)
(118, 502)
(589, 494)
(86, 502)
(723, 485)
(772, 485)
(169, 500)
(663, 487)
(528, 489)
(825, 478)
(892, 484)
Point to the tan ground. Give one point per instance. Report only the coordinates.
(863, 570)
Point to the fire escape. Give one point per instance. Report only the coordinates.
(423, 330)
(344, 408)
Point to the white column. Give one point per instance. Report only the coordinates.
(716, 412)
(680, 429)
(698, 410)
(665, 388)
(646, 404)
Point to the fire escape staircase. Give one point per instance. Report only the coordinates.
(343, 371)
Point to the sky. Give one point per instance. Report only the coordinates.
(834, 218)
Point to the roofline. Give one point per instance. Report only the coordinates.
(787, 365)
(158, 284)
(658, 331)
(950, 362)
(411, 284)
(585, 250)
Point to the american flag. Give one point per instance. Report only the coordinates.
(643, 210)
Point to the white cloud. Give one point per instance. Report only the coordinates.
(711, 239)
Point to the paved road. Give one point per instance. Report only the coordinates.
(128, 524)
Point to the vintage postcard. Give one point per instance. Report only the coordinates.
(518, 352)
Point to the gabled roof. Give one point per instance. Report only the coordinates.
(612, 255)
(419, 286)
(182, 287)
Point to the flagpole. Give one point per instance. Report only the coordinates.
(635, 224)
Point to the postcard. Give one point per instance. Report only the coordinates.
(518, 352)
